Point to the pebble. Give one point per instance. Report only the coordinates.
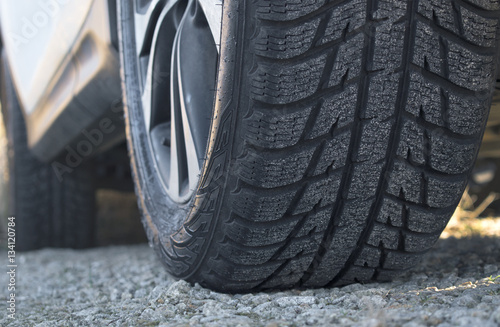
(127, 285)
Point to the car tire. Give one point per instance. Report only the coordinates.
(48, 211)
(341, 137)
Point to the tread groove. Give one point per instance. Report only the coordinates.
(393, 142)
(362, 98)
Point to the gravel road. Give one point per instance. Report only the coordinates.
(456, 285)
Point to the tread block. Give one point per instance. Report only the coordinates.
(390, 9)
(466, 24)
(354, 214)
(391, 213)
(260, 234)
(347, 63)
(470, 70)
(259, 170)
(262, 254)
(336, 110)
(275, 129)
(343, 243)
(412, 145)
(444, 192)
(441, 12)
(283, 10)
(301, 245)
(389, 35)
(259, 206)
(424, 221)
(295, 265)
(357, 274)
(479, 30)
(373, 143)
(451, 156)
(282, 282)
(316, 221)
(425, 100)
(419, 243)
(345, 18)
(383, 89)
(381, 234)
(369, 257)
(286, 83)
(400, 261)
(290, 273)
(277, 42)
(364, 181)
(322, 192)
(470, 123)
(405, 182)
(428, 49)
(334, 153)
(486, 4)
(243, 273)
(247, 256)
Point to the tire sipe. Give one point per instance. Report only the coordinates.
(339, 143)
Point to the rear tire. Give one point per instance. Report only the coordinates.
(49, 212)
(342, 138)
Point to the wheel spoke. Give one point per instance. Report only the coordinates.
(213, 14)
(155, 73)
(178, 171)
(160, 137)
(145, 21)
(192, 159)
(177, 51)
(197, 74)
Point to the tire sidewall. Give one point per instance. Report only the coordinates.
(164, 220)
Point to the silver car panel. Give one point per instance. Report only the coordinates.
(66, 74)
(38, 36)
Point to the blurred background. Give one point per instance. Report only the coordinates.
(118, 218)
(4, 177)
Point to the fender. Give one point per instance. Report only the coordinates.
(74, 80)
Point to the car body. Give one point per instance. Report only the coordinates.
(74, 79)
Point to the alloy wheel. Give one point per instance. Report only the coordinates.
(177, 46)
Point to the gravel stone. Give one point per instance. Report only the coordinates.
(455, 285)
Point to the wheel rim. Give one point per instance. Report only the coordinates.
(177, 46)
